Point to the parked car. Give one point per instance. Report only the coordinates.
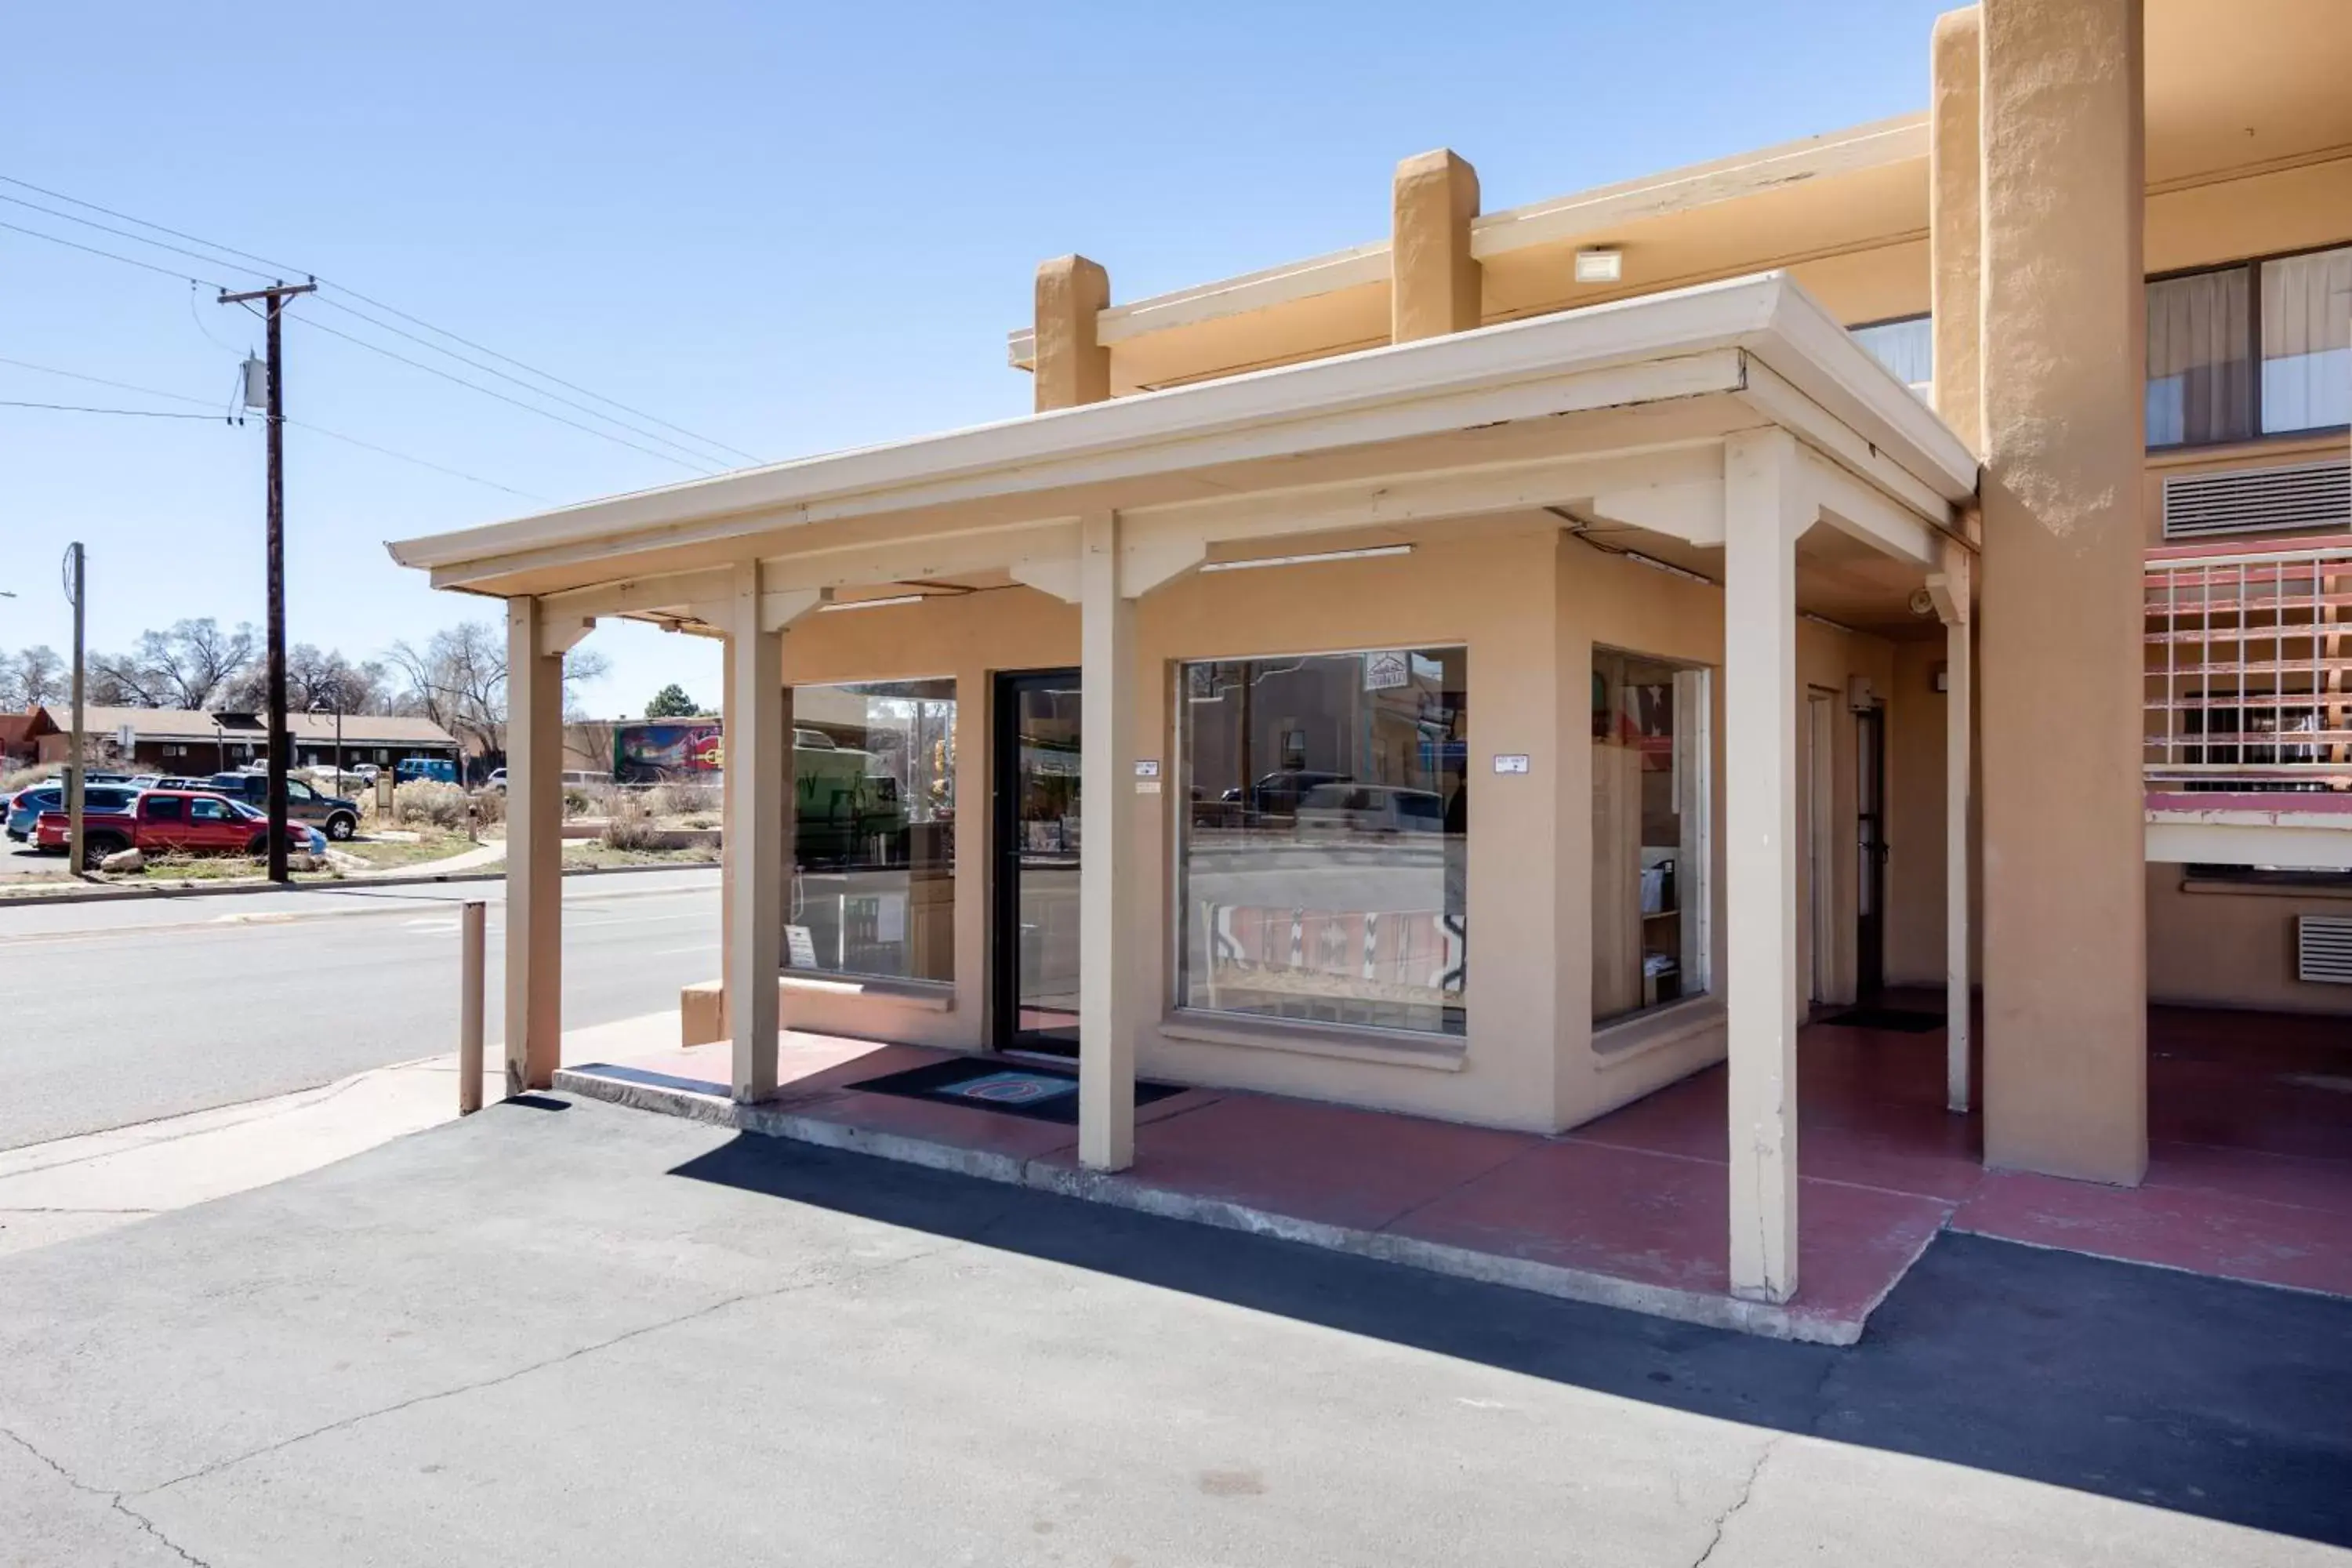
(1280, 793)
(189, 821)
(496, 780)
(439, 770)
(97, 800)
(1371, 808)
(338, 815)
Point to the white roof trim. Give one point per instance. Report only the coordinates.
(1345, 399)
(1585, 215)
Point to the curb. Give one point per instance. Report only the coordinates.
(1122, 1191)
(343, 884)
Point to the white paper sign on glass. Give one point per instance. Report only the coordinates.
(1510, 762)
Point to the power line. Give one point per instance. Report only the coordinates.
(281, 267)
(133, 413)
(296, 424)
(118, 233)
(502, 375)
(111, 256)
(318, 326)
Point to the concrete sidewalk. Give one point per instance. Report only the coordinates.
(573, 1335)
(81, 1186)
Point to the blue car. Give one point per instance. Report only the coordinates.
(97, 800)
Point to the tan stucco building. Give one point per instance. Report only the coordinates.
(1498, 670)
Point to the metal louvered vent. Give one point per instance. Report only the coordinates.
(2323, 948)
(2258, 501)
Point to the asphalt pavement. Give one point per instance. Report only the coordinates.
(566, 1333)
(130, 1009)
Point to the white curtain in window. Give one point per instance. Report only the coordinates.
(2307, 342)
(2196, 383)
(1907, 348)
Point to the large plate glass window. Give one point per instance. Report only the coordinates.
(2256, 347)
(873, 812)
(1650, 834)
(1322, 866)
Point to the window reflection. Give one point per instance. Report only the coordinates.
(1323, 856)
(873, 830)
(1650, 800)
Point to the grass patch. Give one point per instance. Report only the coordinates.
(429, 844)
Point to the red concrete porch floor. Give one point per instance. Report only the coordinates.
(2250, 1172)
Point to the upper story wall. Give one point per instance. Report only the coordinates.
(2249, 155)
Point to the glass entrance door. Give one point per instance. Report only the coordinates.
(1037, 882)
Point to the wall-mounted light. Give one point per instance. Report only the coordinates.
(1602, 264)
(876, 604)
(1367, 554)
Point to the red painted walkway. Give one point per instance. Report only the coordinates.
(2250, 1174)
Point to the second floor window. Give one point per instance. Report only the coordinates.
(2256, 347)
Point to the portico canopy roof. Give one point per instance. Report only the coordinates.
(1616, 413)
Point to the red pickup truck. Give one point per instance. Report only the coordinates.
(189, 821)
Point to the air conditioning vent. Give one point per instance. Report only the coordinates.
(2323, 948)
(2308, 496)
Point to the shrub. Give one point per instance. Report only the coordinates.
(25, 778)
(490, 806)
(629, 823)
(424, 803)
(685, 797)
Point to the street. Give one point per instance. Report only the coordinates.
(131, 1010)
(567, 1333)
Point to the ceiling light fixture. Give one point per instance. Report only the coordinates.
(1367, 554)
(1600, 265)
(876, 604)
(1825, 621)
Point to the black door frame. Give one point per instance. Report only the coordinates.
(1005, 1032)
(1870, 906)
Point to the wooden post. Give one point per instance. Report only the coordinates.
(1108, 941)
(471, 921)
(1764, 514)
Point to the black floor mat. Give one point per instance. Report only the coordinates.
(1900, 1019)
(1013, 1089)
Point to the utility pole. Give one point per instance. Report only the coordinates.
(77, 862)
(275, 298)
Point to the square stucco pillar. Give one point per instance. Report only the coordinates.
(1764, 510)
(1072, 366)
(1109, 943)
(758, 834)
(2059, 650)
(1950, 590)
(1434, 283)
(535, 937)
(1956, 223)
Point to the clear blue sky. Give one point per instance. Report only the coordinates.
(788, 228)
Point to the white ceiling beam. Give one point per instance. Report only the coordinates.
(866, 563)
(1867, 514)
(639, 594)
(1773, 396)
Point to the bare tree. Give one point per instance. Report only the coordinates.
(315, 678)
(458, 679)
(32, 678)
(191, 666)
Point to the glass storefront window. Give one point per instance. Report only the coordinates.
(1650, 851)
(1322, 868)
(874, 812)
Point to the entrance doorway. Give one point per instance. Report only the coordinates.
(1821, 846)
(1035, 886)
(1870, 897)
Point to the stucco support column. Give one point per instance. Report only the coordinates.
(2060, 652)
(728, 818)
(1435, 285)
(534, 936)
(1071, 366)
(1109, 943)
(1950, 590)
(1765, 502)
(758, 834)
(1955, 222)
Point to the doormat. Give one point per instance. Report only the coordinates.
(1896, 1019)
(1040, 1094)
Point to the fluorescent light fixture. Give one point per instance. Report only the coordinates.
(1599, 265)
(1367, 554)
(1825, 621)
(1668, 567)
(877, 604)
